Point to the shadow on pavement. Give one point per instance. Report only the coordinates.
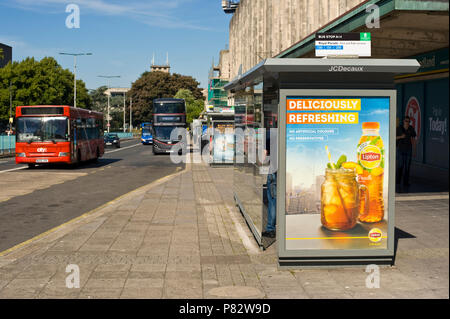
(84, 165)
(400, 234)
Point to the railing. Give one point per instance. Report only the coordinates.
(7, 144)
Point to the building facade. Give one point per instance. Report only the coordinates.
(417, 29)
(5, 54)
(219, 76)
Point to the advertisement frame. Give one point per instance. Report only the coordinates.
(213, 122)
(317, 255)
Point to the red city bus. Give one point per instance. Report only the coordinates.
(57, 134)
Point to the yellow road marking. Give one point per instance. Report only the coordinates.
(85, 215)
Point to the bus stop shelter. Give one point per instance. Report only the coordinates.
(221, 137)
(335, 124)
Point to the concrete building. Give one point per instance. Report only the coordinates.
(5, 54)
(262, 29)
(161, 67)
(418, 29)
(219, 76)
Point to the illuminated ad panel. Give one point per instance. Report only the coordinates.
(337, 172)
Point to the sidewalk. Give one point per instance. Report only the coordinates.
(183, 237)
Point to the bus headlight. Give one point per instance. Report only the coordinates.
(63, 154)
(20, 155)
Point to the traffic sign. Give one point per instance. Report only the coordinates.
(343, 44)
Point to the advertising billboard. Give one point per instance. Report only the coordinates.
(337, 172)
(223, 143)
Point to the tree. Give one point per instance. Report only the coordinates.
(193, 107)
(42, 82)
(153, 85)
(100, 99)
(100, 104)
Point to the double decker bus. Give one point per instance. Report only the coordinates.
(147, 135)
(168, 115)
(58, 134)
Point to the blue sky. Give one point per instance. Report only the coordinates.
(122, 35)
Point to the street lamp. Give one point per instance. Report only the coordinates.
(108, 77)
(75, 73)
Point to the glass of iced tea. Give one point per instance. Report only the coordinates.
(340, 202)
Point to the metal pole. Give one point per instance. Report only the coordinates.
(10, 107)
(109, 77)
(124, 109)
(108, 109)
(75, 81)
(75, 74)
(131, 105)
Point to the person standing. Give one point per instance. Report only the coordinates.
(270, 230)
(405, 146)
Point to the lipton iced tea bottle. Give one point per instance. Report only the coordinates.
(371, 159)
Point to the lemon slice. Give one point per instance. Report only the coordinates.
(353, 165)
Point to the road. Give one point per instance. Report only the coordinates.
(33, 201)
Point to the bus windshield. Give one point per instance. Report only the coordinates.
(163, 132)
(169, 108)
(42, 129)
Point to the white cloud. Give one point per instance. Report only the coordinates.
(379, 112)
(150, 12)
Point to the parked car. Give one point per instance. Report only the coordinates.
(111, 139)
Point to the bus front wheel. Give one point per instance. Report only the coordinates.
(31, 165)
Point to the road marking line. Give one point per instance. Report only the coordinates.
(13, 169)
(91, 212)
(122, 148)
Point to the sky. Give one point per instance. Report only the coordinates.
(121, 35)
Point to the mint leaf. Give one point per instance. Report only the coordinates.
(341, 160)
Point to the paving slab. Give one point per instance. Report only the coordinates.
(184, 238)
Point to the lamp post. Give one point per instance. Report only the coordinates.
(109, 77)
(10, 109)
(75, 74)
(131, 116)
(124, 109)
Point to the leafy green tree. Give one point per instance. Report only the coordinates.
(1, 54)
(42, 82)
(153, 85)
(100, 104)
(100, 99)
(193, 107)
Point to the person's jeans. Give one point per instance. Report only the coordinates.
(403, 166)
(272, 202)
